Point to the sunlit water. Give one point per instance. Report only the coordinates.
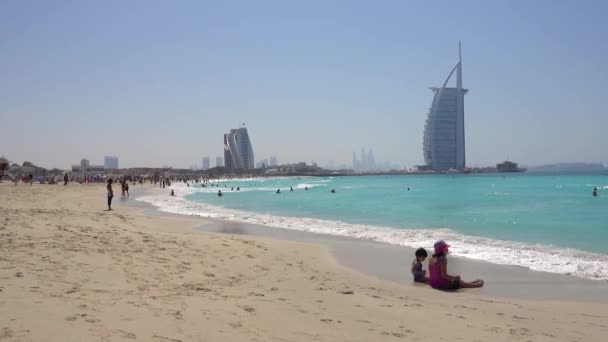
(545, 222)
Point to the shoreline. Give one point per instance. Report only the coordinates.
(498, 245)
(388, 262)
(72, 271)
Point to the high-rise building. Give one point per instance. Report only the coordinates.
(355, 162)
(371, 161)
(219, 161)
(363, 162)
(206, 163)
(273, 161)
(443, 142)
(238, 153)
(110, 162)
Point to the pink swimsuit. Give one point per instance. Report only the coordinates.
(436, 281)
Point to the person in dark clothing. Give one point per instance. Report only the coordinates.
(110, 194)
(65, 179)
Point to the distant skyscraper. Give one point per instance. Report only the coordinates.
(110, 162)
(273, 161)
(219, 161)
(363, 163)
(371, 162)
(238, 153)
(206, 163)
(443, 143)
(355, 162)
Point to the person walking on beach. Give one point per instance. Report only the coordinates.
(65, 179)
(30, 177)
(438, 271)
(110, 194)
(127, 188)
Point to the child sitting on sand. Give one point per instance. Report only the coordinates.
(438, 271)
(417, 271)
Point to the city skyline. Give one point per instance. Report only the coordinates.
(358, 77)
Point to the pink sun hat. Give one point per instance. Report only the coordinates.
(441, 246)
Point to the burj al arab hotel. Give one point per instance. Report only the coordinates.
(443, 142)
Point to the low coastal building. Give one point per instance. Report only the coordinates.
(508, 166)
(85, 169)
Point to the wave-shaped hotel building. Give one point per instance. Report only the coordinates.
(238, 153)
(444, 143)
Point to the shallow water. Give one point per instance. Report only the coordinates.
(545, 222)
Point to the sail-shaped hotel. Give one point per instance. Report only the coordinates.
(443, 144)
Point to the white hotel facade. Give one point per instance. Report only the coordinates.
(444, 140)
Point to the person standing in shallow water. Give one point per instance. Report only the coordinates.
(110, 194)
(595, 192)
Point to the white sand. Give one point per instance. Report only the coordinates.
(72, 272)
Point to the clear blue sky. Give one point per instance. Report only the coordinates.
(159, 82)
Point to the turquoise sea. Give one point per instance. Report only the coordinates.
(548, 222)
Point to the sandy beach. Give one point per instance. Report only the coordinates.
(73, 272)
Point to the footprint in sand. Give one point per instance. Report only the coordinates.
(127, 334)
(6, 333)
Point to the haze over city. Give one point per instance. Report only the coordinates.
(157, 84)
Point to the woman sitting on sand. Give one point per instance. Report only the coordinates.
(438, 271)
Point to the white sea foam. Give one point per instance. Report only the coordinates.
(304, 185)
(536, 257)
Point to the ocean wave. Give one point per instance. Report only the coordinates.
(304, 185)
(536, 257)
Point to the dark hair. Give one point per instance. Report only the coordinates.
(421, 252)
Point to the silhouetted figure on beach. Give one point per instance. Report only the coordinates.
(278, 191)
(305, 188)
(219, 193)
(110, 194)
(30, 177)
(291, 188)
(172, 193)
(238, 188)
(65, 179)
(595, 192)
(231, 189)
